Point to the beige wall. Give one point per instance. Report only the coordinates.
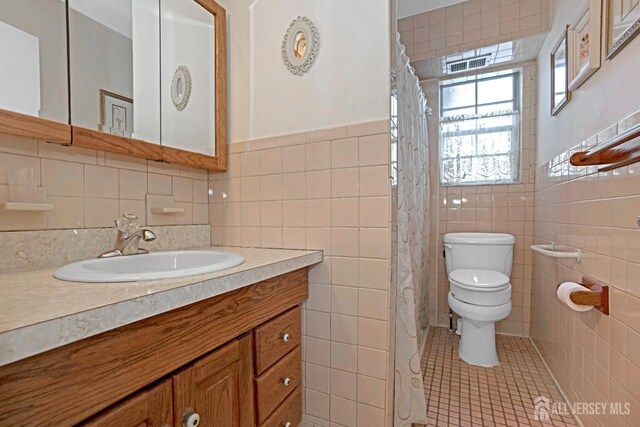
(326, 190)
(91, 189)
(592, 108)
(486, 208)
(594, 357)
(348, 82)
(470, 25)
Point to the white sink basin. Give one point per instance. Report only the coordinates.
(152, 266)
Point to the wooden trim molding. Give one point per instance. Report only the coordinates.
(98, 140)
(19, 124)
(195, 160)
(220, 118)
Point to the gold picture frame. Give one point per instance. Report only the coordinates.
(622, 24)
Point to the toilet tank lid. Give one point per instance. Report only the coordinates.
(480, 238)
(479, 278)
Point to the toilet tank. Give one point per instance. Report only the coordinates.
(482, 251)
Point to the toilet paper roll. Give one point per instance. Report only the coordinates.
(564, 295)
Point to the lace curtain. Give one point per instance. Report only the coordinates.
(412, 241)
(480, 148)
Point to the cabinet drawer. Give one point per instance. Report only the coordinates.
(287, 414)
(277, 383)
(276, 338)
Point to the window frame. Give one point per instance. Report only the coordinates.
(516, 143)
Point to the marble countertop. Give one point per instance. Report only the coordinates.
(39, 312)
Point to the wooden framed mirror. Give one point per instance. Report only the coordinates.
(193, 80)
(133, 63)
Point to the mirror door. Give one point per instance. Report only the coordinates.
(192, 64)
(115, 67)
(148, 79)
(33, 72)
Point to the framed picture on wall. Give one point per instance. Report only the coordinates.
(622, 24)
(116, 114)
(585, 51)
(560, 72)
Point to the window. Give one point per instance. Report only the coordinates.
(480, 129)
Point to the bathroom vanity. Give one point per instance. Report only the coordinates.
(214, 350)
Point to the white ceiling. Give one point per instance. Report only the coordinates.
(114, 14)
(414, 7)
(513, 52)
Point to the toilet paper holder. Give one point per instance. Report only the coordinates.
(597, 295)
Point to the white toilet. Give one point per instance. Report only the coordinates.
(479, 266)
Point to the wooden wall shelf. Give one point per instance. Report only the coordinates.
(620, 150)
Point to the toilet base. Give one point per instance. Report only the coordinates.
(478, 343)
(478, 337)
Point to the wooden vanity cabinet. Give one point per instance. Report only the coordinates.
(229, 361)
(149, 408)
(217, 388)
(210, 392)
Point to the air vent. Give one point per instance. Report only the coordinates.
(479, 62)
(468, 64)
(456, 67)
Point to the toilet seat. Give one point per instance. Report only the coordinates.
(479, 280)
(480, 287)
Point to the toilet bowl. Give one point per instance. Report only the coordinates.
(478, 335)
(480, 298)
(479, 265)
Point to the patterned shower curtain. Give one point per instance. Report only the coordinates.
(412, 241)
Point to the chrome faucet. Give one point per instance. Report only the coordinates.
(128, 237)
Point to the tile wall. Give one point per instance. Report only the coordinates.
(594, 357)
(90, 189)
(486, 208)
(326, 190)
(472, 24)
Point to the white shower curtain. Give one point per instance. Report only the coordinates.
(412, 241)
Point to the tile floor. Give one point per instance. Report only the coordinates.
(459, 394)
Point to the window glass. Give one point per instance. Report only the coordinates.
(457, 96)
(495, 90)
(480, 129)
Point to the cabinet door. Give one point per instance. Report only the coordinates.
(217, 390)
(151, 408)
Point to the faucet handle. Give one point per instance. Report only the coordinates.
(127, 223)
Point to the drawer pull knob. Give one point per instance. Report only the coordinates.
(287, 424)
(286, 337)
(286, 382)
(190, 418)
